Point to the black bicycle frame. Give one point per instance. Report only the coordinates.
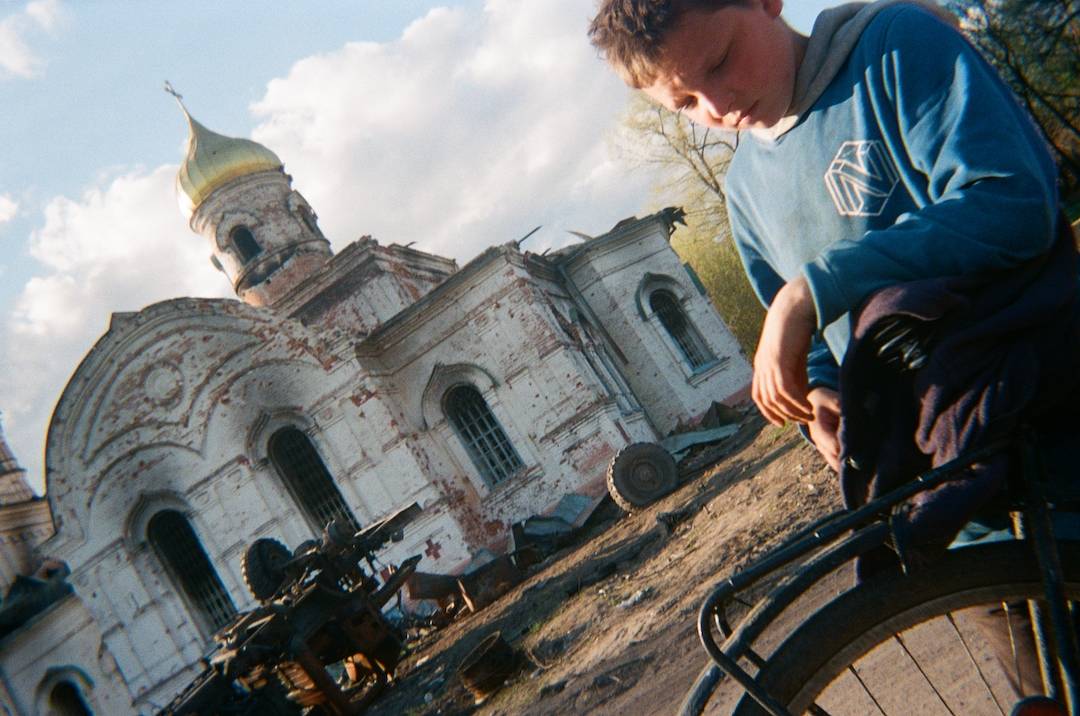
(868, 530)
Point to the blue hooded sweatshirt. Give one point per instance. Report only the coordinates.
(904, 157)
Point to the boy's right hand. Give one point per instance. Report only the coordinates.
(780, 382)
(824, 428)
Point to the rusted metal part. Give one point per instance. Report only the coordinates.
(488, 666)
(488, 583)
(422, 585)
(320, 607)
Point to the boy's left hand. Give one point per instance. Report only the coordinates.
(779, 386)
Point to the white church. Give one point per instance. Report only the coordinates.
(342, 386)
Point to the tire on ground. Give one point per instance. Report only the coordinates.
(640, 475)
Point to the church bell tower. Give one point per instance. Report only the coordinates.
(263, 234)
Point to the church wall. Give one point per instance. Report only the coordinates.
(494, 329)
(615, 278)
(62, 643)
(230, 386)
(364, 286)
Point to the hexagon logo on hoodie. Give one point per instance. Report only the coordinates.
(861, 178)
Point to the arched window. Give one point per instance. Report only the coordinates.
(307, 479)
(682, 331)
(65, 700)
(244, 243)
(484, 438)
(179, 549)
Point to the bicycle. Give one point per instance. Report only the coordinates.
(880, 614)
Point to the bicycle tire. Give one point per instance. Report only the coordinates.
(857, 621)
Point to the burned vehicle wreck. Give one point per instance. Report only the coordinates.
(319, 642)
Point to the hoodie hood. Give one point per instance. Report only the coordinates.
(836, 31)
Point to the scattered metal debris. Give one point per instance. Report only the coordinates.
(679, 445)
(488, 666)
(670, 520)
(486, 584)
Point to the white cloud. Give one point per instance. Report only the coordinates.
(16, 56)
(467, 131)
(8, 208)
(119, 247)
(46, 13)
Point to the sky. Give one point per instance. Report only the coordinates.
(455, 125)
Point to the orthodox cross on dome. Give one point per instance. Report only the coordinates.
(179, 97)
(169, 88)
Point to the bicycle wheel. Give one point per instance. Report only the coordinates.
(898, 644)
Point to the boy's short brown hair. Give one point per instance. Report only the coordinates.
(629, 33)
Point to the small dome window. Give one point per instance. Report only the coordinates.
(309, 219)
(244, 243)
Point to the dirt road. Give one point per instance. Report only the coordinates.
(608, 624)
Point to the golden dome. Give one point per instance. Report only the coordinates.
(213, 160)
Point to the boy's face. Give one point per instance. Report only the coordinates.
(730, 68)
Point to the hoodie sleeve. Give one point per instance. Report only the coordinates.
(987, 181)
(821, 367)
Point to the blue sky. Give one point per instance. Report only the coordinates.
(456, 125)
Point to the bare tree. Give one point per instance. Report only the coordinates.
(689, 163)
(1035, 46)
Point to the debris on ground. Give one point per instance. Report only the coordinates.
(605, 623)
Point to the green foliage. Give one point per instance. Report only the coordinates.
(1035, 46)
(716, 262)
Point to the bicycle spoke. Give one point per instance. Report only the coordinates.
(918, 666)
(908, 643)
(1012, 645)
(975, 663)
(855, 673)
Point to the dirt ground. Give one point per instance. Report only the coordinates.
(607, 625)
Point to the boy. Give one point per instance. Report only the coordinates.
(880, 150)
(879, 157)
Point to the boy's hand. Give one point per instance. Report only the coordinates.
(779, 386)
(825, 425)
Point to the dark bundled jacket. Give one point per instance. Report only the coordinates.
(1002, 349)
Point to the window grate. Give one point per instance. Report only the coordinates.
(308, 480)
(179, 549)
(484, 438)
(675, 322)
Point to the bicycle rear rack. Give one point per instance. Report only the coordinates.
(869, 531)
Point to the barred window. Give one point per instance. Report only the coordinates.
(179, 549)
(682, 331)
(244, 243)
(484, 438)
(307, 479)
